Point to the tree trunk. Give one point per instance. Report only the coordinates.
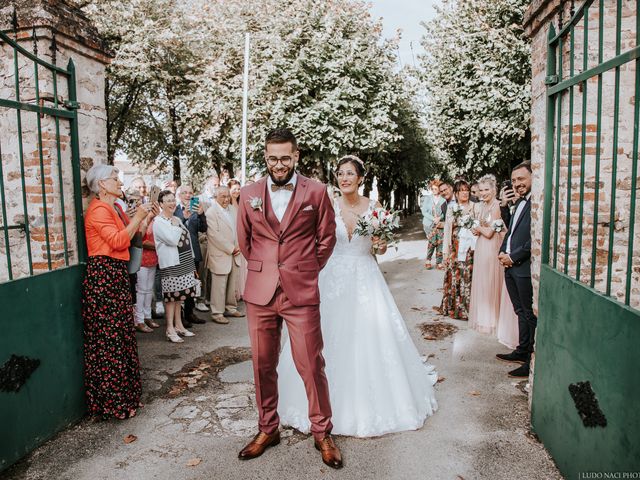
(111, 148)
(368, 185)
(175, 144)
(413, 200)
(384, 192)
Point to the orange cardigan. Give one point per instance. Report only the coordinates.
(106, 234)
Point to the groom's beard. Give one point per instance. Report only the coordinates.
(284, 181)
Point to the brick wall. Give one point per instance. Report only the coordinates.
(581, 228)
(51, 183)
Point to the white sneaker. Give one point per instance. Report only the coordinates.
(201, 307)
(159, 308)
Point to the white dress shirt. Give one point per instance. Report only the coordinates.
(280, 199)
(514, 221)
(228, 215)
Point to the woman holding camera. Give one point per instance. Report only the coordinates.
(112, 368)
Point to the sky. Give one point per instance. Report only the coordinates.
(405, 15)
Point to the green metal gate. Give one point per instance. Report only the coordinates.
(42, 252)
(586, 388)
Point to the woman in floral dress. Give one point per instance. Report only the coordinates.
(112, 368)
(458, 247)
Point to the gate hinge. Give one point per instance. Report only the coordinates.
(72, 105)
(551, 79)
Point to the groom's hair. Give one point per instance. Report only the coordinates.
(281, 135)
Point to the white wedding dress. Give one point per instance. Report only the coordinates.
(378, 382)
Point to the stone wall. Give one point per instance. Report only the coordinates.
(539, 18)
(57, 32)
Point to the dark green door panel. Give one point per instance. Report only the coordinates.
(585, 336)
(40, 318)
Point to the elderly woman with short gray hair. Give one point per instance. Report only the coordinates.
(112, 368)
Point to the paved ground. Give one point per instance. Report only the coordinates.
(200, 411)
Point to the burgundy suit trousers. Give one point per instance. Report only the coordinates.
(265, 328)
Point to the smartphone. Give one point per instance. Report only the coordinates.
(194, 203)
(506, 184)
(153, 194)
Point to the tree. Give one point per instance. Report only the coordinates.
(148, 78)
(477, 72)
(319, 68)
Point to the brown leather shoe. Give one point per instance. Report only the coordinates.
(258, 445)
(330, 453)
(219, 318)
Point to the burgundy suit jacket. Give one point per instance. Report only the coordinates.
(290, 253)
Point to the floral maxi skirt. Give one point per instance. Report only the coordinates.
(456, 292)
(112, 368)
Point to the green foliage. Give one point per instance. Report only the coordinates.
(477, 71)
(320, 68)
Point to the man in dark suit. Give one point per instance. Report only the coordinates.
(515, 256)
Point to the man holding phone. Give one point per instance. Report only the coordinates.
(191, 212)
(515, 257)
(508, 197)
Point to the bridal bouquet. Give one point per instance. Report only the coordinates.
(497, 226)
(380, 223)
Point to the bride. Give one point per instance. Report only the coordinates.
(377, 381)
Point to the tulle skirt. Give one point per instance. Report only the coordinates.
(378, 382)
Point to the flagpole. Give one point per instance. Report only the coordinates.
(245, 95)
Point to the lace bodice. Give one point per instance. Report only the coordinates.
(357, 245)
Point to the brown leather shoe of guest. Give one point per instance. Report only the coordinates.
(330, 453)
(150, 323)
(141, 327)
(258, 445)
(219, 318)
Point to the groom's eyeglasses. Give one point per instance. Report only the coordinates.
(273, 161)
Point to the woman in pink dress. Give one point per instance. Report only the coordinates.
(234, 190)
(508, 330)
(488, 274)
(508, 321)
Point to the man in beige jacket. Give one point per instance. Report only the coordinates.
(223, 257)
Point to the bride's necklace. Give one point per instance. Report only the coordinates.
(352, 206)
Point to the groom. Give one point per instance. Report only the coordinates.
(286, 231)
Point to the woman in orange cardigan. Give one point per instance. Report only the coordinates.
(112, 368)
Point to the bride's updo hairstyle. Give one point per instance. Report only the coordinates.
(355, 161)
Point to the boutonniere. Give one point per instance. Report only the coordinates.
(256, 203)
